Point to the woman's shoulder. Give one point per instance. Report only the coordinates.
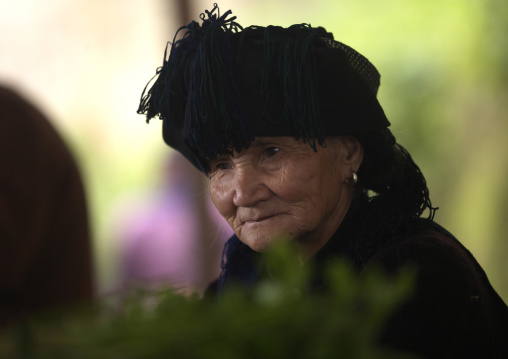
(432, 246)
(447, 274)
(453, 305)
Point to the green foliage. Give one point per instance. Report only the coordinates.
(277, 319)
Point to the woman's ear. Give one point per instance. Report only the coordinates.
(352, 152)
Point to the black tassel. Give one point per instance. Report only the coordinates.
(295, 71)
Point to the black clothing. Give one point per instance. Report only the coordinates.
(454, 311)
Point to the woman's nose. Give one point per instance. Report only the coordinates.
(249, 188)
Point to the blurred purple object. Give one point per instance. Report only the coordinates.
(175, 236)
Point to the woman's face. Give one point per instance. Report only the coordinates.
(280, 188)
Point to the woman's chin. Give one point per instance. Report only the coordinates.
(260, 242)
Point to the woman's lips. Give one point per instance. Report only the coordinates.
(260, 218)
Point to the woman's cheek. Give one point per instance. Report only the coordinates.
(219, 195)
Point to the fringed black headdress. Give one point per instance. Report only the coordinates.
(223, 85)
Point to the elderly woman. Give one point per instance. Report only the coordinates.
(286, 124)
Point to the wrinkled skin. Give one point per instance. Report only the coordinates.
(280, 188)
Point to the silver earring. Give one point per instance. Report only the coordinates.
(355, 178)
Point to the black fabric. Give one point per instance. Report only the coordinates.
(454, 311)
(346, 102)
(241, 266)
(221, 86)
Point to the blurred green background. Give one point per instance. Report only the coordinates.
(444, 87)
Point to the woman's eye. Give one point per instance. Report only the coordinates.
(221, 166)
(271, 151)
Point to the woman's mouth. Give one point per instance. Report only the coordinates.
(260, 218)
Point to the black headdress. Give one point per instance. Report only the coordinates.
(223, 85)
